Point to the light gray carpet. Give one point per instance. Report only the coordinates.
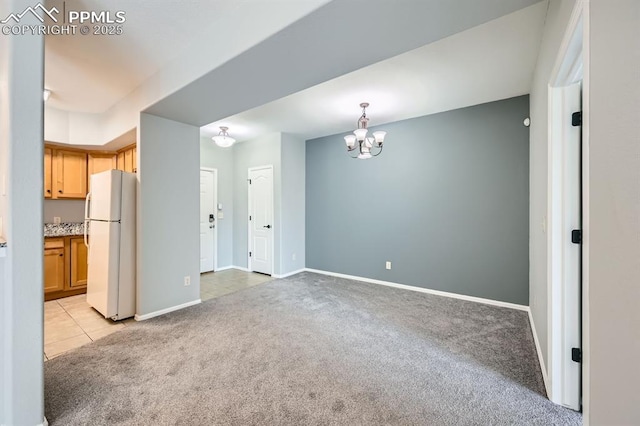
(310, 350)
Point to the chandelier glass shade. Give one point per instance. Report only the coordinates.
(363, 146)
(223, 139)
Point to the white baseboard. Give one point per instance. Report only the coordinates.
(224, 268)
(166, 311)
(288, 274)
(241, 268)
(543, 368)
(424, 290)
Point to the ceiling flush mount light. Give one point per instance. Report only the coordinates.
(223, 139)
(360, 142)
(46, 94)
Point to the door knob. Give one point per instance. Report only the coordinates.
(267, 226)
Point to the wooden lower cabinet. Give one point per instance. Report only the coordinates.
(54, 273)
(79, 264)
(65, 267)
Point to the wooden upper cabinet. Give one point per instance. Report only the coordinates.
(47, 172)
(99, 163)
(70, 174)
(128, 161)
(121, 161)
(78, 263)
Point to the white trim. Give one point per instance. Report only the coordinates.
(224, 268)
(241, 268)
(215, 209)
(288, 274)
(586, 119)
(166, 310)
(273, 217)
(545, 378)
(3, 251)
(570, 66)
(424, 290)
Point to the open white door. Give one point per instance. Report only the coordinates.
(207, 220)
(261, 219)
(566, 246)
(572, 247)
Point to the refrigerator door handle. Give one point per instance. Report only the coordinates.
(86, 219)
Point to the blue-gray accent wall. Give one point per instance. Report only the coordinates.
(447, 203)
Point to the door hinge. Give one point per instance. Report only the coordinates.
(576, 236)
(576, 354)
(249, 181)
(249, 254)
(576, 119)
(249, 217)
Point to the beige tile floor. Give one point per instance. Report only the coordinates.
(216, 284)
(70, 323)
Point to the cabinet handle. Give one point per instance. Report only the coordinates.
(61, 254)
(60, 191)
(49, 191)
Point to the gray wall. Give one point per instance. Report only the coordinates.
(446, 202)
(556, 22)
(292, 231)
(21, 199)
(168, 213)
(261, 151)
(66, 210)
(612, 233)
(221, 159)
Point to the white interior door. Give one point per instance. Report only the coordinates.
(261, 219)
(208, 220)
(572, 250)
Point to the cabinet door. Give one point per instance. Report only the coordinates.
(78, 263)
(135, 160)
(47, 173)
(100, 163)
(121, 161)
(53, 269)
(128, 161)
(71, 174)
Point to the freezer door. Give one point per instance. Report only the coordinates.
(104, 267)
(106, 194)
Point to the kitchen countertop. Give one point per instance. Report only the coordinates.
(63, 229)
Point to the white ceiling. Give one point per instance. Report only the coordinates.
(92, 73)
(486, 63)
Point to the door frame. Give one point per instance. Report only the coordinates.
(571, 65)
(249, 210)
(215, 209)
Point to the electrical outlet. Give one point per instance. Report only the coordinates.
(56, 220)
(187, 280)
(388, 265)
(293, 257)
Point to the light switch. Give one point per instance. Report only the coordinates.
(219, 206)
(220, 215)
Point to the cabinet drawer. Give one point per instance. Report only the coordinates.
(51, 244)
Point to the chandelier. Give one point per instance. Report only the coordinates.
(223, 139)
(364, 144)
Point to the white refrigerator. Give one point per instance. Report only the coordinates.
(110, 217)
